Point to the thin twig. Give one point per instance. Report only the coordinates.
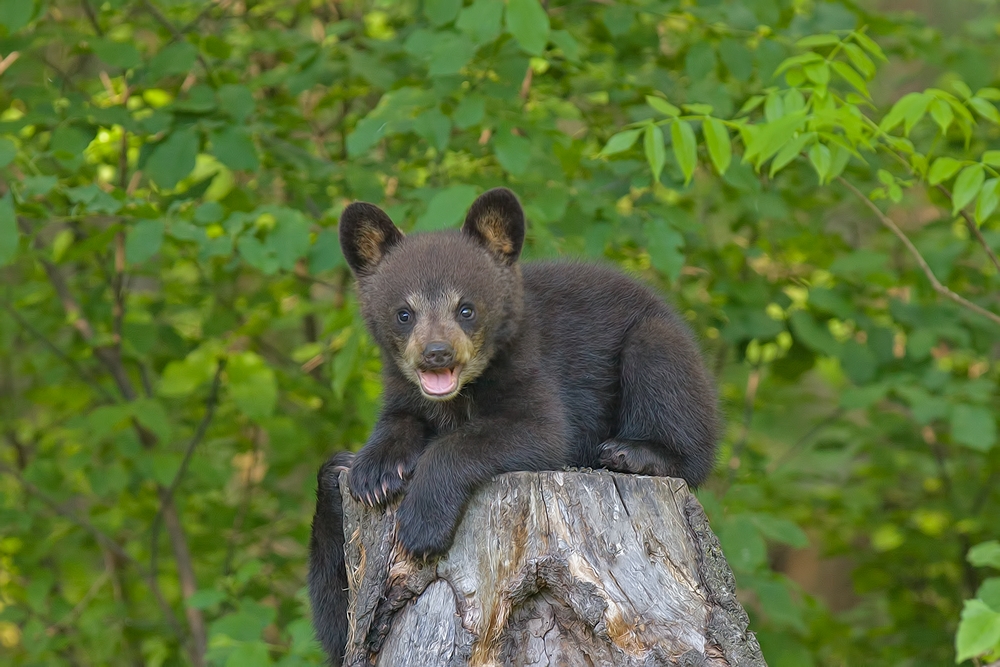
(89, 11)
(935, 283)
(174, 30)
(9, 60)
(248, 486)
(188, 582)
(750, 397)
(974, 230)
(816, 428)
(59, 353)
(168, 493)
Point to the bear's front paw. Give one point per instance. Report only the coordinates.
(377, 476)
(422, 531)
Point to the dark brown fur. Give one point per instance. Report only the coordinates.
(569, 364)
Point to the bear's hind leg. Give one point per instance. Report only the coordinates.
(327, 571)
(666, 422)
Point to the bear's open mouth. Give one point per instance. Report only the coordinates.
(439, 381)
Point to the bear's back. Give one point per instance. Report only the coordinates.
(582, 314)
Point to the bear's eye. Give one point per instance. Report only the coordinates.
(403, 316)
(467, 313)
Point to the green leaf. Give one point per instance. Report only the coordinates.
(818, 73)
(973, 426)
(989, 592)
(868, 45)
(529, 24)
(985, 109)
(252, 385)
(325, 254)
(720, 147)
(942, 114)
(991, 158)
(365, 135)
(235, 149)
(143, 241)
(513, 152)
(962, 88)
(989, 197)
(620, 142)
(177, 58)
(150, 413)
(737, 59)
(742, 543)
(943, 169)
(205, 598)
(700, 60)
(447, 208)
(565, 41)
(173, 159)
(751, 104)
(985, 554)
(482, 20)
(780, 530)
(116, 54)
(8, 151)
(772, 137)
(978, 631)
(656, 151)
(439, 12)
(9, 235)
(813, 41)
(662, 106)
(685, 147)
(860, 60)
(967, 186)
(237, 101)
(450, 53)
(848, 74)
(909, 109)
(699, 109)
(15, 14)
(789, 152)
(469, 112)
(821, 159)
(666, 248)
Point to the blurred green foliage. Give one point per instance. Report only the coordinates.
(180, 345)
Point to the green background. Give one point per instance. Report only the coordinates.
(180, 346)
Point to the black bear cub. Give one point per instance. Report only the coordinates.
(492, 367)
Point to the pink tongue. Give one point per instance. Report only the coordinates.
(438, 382)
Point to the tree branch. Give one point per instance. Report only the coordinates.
(935, 283)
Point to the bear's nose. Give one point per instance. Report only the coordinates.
(439, 354)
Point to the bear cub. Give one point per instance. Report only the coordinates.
(491, 366)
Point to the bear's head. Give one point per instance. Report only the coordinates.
(439, 304)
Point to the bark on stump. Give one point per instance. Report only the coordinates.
(552, 568)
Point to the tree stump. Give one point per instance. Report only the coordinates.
(551, 568)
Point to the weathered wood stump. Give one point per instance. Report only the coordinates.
(553, 568)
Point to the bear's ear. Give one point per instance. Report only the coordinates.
(496, 220)
(366, 235)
